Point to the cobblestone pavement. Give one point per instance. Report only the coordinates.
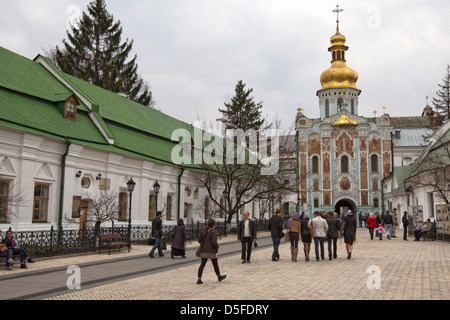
(382, 270)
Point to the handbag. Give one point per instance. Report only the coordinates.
(3, 248)
(288, 238)
(199, 250)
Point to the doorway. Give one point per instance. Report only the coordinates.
(343, 205)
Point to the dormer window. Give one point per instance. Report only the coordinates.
(70, 110)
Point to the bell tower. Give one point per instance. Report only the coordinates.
(339, 89)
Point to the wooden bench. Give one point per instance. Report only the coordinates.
(111, 241)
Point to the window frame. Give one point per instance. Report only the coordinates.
(42, 212)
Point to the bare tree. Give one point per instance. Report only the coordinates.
(103, 207)
(242, 179)
(433, 170)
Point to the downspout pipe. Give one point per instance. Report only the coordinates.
(61, 188)
(179, 192)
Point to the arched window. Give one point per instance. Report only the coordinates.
(327, 108)
(315, 164)
(376, 203)
(374, 163)
(339, 105)
(344, 164)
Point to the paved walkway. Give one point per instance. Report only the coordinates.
(383, 270)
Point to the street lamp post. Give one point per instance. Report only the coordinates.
(131, 185)
(156, 188)
(225, 195)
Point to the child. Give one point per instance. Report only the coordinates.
(380, 231)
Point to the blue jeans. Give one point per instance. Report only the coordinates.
(276, 244)
(157, 245)
(8, 254)
(388, 228)
(317, 241)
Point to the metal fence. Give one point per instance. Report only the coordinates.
(54, 243)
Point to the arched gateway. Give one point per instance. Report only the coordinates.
(343, 205)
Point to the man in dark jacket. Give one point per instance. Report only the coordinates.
(388, 221)
(157, 233)
(405, 225)
(246, 236)
(332, 234)
(276, 229)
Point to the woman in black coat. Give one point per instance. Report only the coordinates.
(179, 240)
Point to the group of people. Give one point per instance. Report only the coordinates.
(9, 247)
(385, 224)
(323, 227)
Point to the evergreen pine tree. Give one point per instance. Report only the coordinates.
(242, 112)
(442, 102)
(94, 52)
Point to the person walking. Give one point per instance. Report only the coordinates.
(157, 233)
(380, 231)
(276, 229)
(246, 236)
(209, 249)
(306, 234)
(320, 228)
(178, 247)
(378, 221)
(349, 228)
(332, 234)
(394, 222)
(405, 222)
(388, 221)
(294, 229)
(371, 224)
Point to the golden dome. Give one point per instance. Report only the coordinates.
(339, 75)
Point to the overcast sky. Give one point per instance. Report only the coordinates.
(193, 52)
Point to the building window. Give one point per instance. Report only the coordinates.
(339, 105)
(4, 197)
(152, 207)
(316, 203)
(85, 183)
(70, 109)
(344, 164)
(327, 108)
(169, 208)
(123, 205)
(315, 164)
(374, 163)
(376, 203)
(353, 106)
(40, 202)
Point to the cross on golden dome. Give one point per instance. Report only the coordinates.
(337, 11)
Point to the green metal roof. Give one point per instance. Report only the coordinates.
(26, 76)
(30, 93)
